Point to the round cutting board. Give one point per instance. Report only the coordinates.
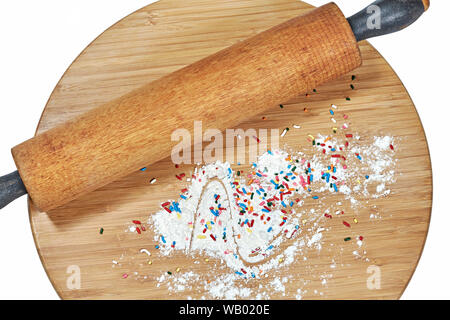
(166, 36)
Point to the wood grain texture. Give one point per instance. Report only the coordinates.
(251, 76)
(167, 36)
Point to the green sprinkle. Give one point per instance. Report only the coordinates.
(352, 86)
(347, 239)
(314, 90)
(101, 230)
(348, 99)
(238, 173)
(281, 106)
(353, 77)
(293, 169)
(169, 273)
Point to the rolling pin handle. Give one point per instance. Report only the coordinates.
(386, 16)
(11, 188)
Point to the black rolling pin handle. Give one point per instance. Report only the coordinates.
(386, 16)
(11, 188)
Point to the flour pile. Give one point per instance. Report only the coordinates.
(254, 225)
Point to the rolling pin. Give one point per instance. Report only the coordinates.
(248, 78)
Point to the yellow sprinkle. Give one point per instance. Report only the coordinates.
(312, 137)
(249, 230)
(150, 262)
(280, 260)
(206, 260)
(201, 236)
(178, 215)
(355, 220)
(178, 270)
(304, 221)
(359, 182)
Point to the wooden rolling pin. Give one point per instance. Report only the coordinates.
(248, 78)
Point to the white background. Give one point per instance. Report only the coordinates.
(39, 40)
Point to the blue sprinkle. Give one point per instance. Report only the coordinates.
(163, 240)
(143, 169)
(176, 207)
(332, 112)
(270, 229)
(243, 206)
(315, 197)
(183, 197)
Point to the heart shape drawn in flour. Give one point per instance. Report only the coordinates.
(220, 229)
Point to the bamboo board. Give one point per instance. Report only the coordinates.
(166, 36)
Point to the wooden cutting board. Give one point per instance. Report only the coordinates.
(166, 36)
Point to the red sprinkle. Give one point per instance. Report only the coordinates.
(167, 209)
(136, 222)
(346, 224)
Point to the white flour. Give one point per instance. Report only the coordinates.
(255, 225)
